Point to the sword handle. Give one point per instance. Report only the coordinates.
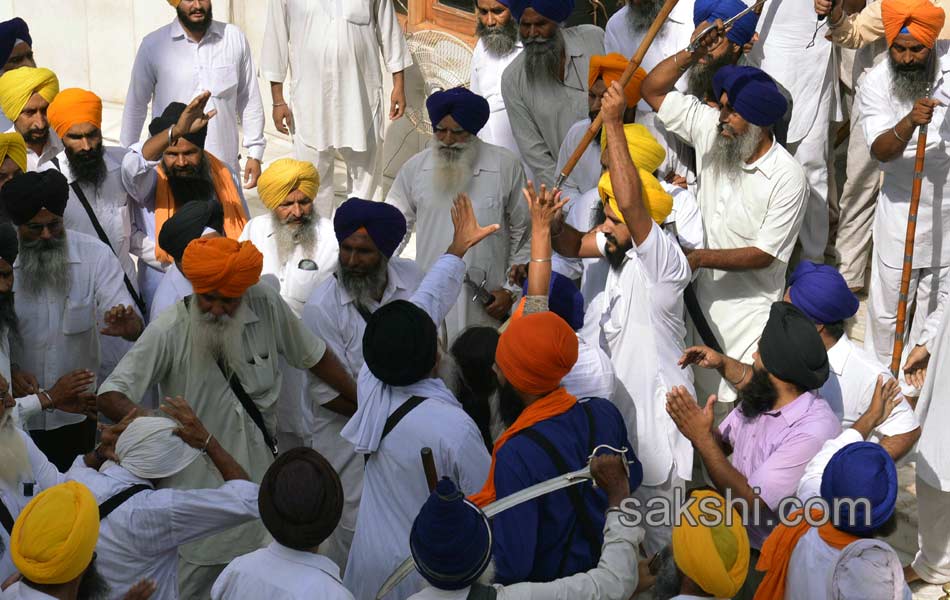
(428, 466)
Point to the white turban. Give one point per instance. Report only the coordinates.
(149, 448)
(868, 569)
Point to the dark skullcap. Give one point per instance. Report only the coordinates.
(9, 244)
(27, 194)
(169, 117)
(384, 223)
(469, 110)
(752, 93)
(11, 31)
(188, 223)
(555, 10)
(301, 499)
(564, 300)
(791, 348)
(400, 343)
(862, 470)
(450, 540)
(821, 292)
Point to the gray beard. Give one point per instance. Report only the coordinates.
(542, 58)
(288, 236)
(700, 77)
(365, 288)
(44, 265)
(909, 85)
(641, 16)
(500, 40)
(727, 154)
(14, 459)
(454, 166)
(219, 338)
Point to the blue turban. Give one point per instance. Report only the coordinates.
(383, 222)
(709, 10)
(861, 470)
(821, 293)
(450, 539)
(564, 300)
(752, 93)
(556, 10)
(465, 106)
(11, 31)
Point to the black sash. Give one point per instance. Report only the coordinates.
(6, 519)
(107, 507)
(398, 415)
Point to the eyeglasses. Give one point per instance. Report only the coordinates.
(53, 227)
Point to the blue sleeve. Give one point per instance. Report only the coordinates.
(516, 529)
(614, 423)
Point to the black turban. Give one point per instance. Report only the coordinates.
(301, 499)
(9, 245)
(188, 223)
(29, 193)
(791, 348)
(169, 117)
(400, 343)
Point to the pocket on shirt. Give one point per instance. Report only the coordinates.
(744, 223)
(78, 318)
(259, 374)
(356, 12)
(224, 81)
(488, 210)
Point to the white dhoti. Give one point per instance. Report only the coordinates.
(932, 562)
(362, 172)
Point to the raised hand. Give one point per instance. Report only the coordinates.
(692, 421)
(194, 118)
(613, 104)
(467, 230)
(703, 357)
(122, 321)
(545, 206)
(885, 399)
(191, 429)
(710, 39)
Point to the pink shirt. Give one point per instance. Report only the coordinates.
(772, 450)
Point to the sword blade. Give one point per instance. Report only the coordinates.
(694, 45)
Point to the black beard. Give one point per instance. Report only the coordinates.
(200, 27)
(759, 395)
(500, 39)
(615, 254)
(510, 405)
(700, 82)
(910, 82)
(88, 166)
(190, 183)
(9, 324)
(542, 58)
(36, 136)
(641, 16)
(92, 586)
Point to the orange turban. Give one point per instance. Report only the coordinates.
(536, 351)
(222, 265)
(74, 106)
(610, 68)
(922, 19)
(174, 3)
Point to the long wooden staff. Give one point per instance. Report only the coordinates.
(628, 73)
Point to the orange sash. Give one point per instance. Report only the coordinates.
(777, 552)
(234, 216)
(556, 403)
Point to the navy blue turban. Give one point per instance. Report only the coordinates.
(169, 117)
(709, 10)
(821, 293)
(465, 106)
(862, 470)
(556, 10)
(451, 539)
(383, 222)
(11, 31)
(752, 93)
(564, 300)
(791, 348)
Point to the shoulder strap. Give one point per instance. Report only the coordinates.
(482, 592)
(105, 240)
(6, 519)
(107, 507)
(398, 415)
(249, 407)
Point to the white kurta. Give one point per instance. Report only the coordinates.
(280, 573)
(48, 157)
(487, 70)
(336, 85)
(172, 288)
(496, 191)
(933, 411)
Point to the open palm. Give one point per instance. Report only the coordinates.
(467, 230)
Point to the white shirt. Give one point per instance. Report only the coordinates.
(850, 387)
(880, 111)
(644, 328)
(61, 333)
(172, 288)
(44, 160)
(336, 85)
(280, 573)
(21, 591)
(933, 449)
(592, 376)
(140, 539)
(614, 578)
(496, 190)
(487, 70)
(171, 67)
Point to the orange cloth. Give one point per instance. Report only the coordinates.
(222, 265)
(536, 351)
(234, 216)
(74, 106)
(921, 17)
(610, 68)
(777, 552)
(556, 403)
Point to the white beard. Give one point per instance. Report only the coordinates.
(454, 166)
(288, 237)
(14, 459)
(219, 339)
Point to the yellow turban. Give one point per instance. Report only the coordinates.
(717, 557)
(610, 68)
(13, 147)
(54, 536)
(18, 86)
(74, 107)
(283, 177)
(647, 155)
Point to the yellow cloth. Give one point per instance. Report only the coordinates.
(283, 177)
(647, 155)
(610, 68)
(19, 85)
(74, 106)
(716, 558)
(13, 147)
(54, 536)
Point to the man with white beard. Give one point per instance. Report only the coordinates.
(300, 252)
(219, 348)
(492, 178)
(751, 192)
(545, 87)
(498, 45)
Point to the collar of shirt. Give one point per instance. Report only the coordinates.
(394, 282)
(308, 559)
(767, 163)
(839, 354)
(53, 147)
(794, 410)
(177, 32)
(122, 475)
